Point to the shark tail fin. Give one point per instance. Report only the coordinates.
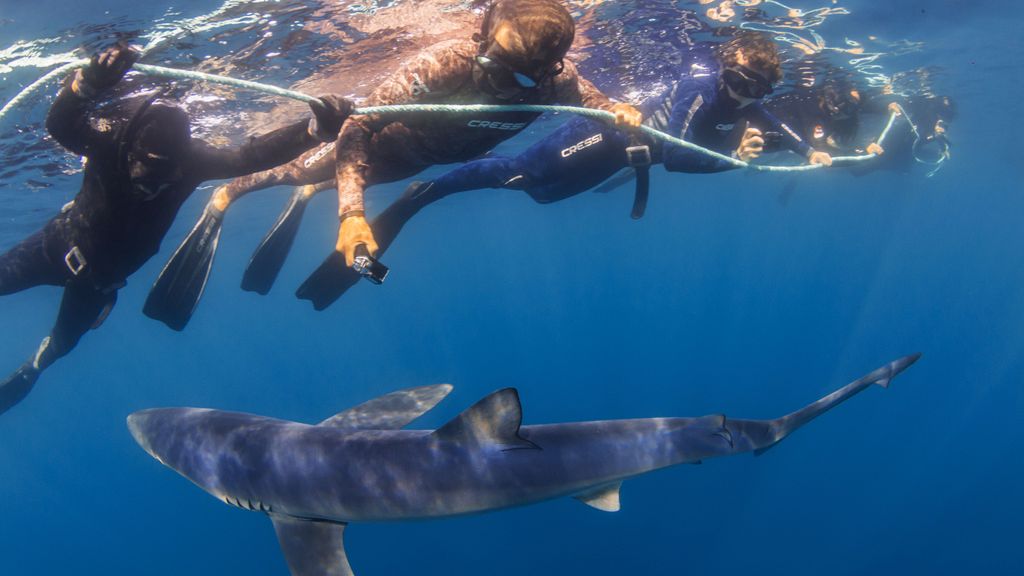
(776, 430)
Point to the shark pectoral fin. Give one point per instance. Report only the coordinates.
(391, 411)
(604, 498)
(493, 420)
(312, 548)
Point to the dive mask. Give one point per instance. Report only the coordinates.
(506, 79)
(746, 83)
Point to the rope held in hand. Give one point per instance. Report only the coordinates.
(177, 74)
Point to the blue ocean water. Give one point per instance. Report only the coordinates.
(747, 294)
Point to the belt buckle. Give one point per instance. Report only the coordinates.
(75, 261)
(638, 156)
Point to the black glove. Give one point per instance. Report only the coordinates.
(329, 113)
(108, 67)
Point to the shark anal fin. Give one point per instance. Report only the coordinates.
(493, 420)
(604, 498)
(312, 548)
(391, 411)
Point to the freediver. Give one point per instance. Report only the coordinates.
(518, 57)
(832, 115)
(138, 174)
(716, 103)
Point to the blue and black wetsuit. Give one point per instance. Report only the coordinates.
(583, 152)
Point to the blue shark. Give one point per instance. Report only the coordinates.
(361, 465)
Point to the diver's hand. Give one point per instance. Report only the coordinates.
(105, 69)
(751, 145)
(821, 158)
(894, 108)
(626, 116)
(329, 113)
(353, 232)
(875, 149)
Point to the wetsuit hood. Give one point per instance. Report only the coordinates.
(154, 145)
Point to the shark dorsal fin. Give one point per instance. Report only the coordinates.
(312, 548)
(604, 498)
(495, 419)
(391, 411)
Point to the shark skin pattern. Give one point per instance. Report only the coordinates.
(361, 466)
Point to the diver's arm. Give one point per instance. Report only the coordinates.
(272, 149)
(259, 153)
(68, 123)
(790, 139)
(68, 119)
(690, 106)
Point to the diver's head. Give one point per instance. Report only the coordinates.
(522, 45)
(158, 148)
(750, 66)
(839, 99)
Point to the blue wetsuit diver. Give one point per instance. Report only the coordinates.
(716, 104)
(140, 170)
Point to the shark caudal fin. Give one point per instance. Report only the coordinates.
(764, 434)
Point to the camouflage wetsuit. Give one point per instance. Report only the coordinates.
(386, 148)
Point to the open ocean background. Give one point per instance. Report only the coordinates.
(738, 293)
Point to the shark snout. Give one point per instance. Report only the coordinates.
(137, 425)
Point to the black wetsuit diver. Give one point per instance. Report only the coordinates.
(833, 117)
(138, 175)
(702, 108)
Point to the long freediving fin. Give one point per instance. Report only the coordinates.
(312, 548)
(269, 257)
(332, 279)
(328, 282)
(177, 290)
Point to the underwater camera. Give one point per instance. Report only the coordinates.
(369, 267)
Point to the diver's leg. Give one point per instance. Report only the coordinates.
(81, 309)
(177, 290)
(577, 157)
(27, 264)
(313, 167)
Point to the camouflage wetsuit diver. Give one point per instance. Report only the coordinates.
(517, 58)
(138, 174)
(715, 103)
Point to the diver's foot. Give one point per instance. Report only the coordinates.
(416, 189)
(17, 386)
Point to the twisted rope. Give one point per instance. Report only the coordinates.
(177, 74)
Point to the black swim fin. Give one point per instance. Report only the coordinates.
(328, 282)
(333, 278)
(176, 292)
(17, 386)
(269, 257)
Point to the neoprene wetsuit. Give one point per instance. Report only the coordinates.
(583, 152)
(110, 229)
(378, 149)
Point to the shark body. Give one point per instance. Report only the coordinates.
(361, 466)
